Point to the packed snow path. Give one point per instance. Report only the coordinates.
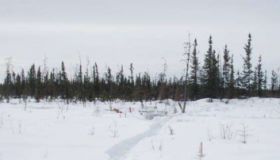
(45, 131)
(119, 151)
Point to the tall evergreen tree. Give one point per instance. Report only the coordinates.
(254, 86)
(131, 82)
(38, 91)
(226, 68)
(96, 83)
(220, 79)
(207, 70)
(8, 80)
(260, 78)
(18, 86)
(211, 72)
(120, 82)
(32, 80)
(45, 78)
(109, 81)
(215, 76)
(265, 83)
(194, 73)
(86, 84)
(131, 69)
(146, 86)
(274, 83)
(23, 84)
(64, 92)
(231, 88)
(46, 85)
(162, 82)
(238, 84)
(247, 67)
(79, 82)
(138, 94)
(52, 85)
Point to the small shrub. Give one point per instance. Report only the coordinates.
(244, 133)
(114, 129)
(226, 131)
(210, 134)
(171, 130)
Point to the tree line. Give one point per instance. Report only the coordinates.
(215, 78)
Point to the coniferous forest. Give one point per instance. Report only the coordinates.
(213, 77)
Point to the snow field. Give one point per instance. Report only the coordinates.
(55, 131)
(46, 132)
(219, 127)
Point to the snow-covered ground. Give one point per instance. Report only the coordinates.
(55, 131)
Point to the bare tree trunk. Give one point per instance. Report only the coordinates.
(187, 61)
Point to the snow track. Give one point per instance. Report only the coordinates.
(120, 150)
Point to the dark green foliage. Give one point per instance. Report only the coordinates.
(64, 84)
(32, 80)
(211, 77)
(194, 86)
(18, 86)
(260, 78)
(247, 79)
(7, 87)
(231, 84)
(38, 87)
(226, 72)
(216, 79)
(274, 83)
(96, 81)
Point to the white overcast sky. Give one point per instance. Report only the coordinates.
(142, 32)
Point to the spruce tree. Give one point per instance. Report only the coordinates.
(274, 82)
(265, 94)
(215, 76)
(231, 85)
(194, 73)
(146, 86)
(247, 67)
(32, 80)
(52, 85)
(226, 69)
(109, 81)
(18, 86)
(238, 84)
(138, 92)
(86, 84)
(38, 88)
(45, 77)
(46, 85)
(254, 85)
(80, 84)
(23, 84)
(96, 83)
(207, 70)
(8, 80)
(260, 77)
(162, 83)
(64, 83)
(120, 82)
(131, 78)
(131, 82)
(220, 79)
